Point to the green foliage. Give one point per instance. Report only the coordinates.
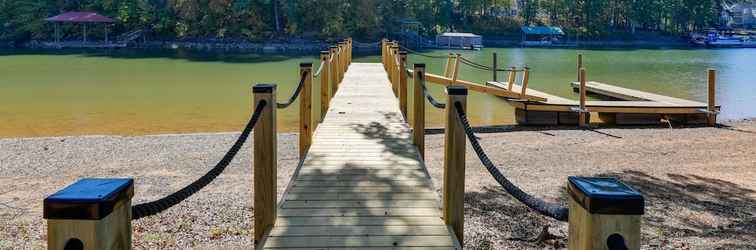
(22, 20)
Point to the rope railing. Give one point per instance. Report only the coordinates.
(548, 209)
(320, 69)
(295, 94)
(154, 207)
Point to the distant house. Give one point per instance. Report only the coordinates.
(459, 40)
(740, 15)
(541, 35)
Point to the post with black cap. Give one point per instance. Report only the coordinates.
(604, 214)
(90, 214)
(265, 158)
(454, 162)
(305, 110)
(418, 102)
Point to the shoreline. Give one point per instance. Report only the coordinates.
(695, 201)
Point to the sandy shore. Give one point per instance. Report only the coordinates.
(699, 183)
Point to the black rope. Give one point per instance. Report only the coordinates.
(431, 100)
(295, 94)
(421, 54)
(155, 207)
(481, 66)
(548, 209)
(320, 68)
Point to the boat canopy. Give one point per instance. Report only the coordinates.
(542, 30)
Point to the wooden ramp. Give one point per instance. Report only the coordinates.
(362, 183)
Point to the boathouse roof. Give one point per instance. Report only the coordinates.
(542, 30)
(80, 17)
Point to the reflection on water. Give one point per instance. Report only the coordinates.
(132, 93)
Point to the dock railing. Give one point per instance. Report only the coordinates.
(599, 216)
(96, 213)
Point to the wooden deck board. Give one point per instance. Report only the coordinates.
(362, 183)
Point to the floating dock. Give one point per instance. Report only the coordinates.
(631, 107)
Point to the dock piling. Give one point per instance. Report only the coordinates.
(265, 158)
(403, 83)
(324, 88)
(581, 114)
(454, 162)
(495, 65)
(579, 65)
(418, 125)
(712, 100)
(305, 110)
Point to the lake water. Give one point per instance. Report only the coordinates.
(135, 93)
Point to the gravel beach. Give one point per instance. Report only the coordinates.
(699, 183)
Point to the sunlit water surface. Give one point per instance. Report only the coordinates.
(153, 92)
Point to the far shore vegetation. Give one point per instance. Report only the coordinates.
(21, 21)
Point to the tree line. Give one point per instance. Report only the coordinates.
(260, 20)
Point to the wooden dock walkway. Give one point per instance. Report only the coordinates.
(362, 183)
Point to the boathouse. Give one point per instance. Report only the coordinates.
(85, 19)
(541, 35)
(459, 40)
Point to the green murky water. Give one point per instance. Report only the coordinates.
(134, 93)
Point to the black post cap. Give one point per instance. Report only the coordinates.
(263, 88)
(324, 52)
(305, 65)
(456, 90)
(88, 199)
(419, 65)
(404, 53)
(605, 196)
(333, 46)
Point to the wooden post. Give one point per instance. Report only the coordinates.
(579, 65)
(511, 80)
(525, 79)
(337, 68)
(454, 162)
(418, 127)
(90, 214)
(333, 70)
(344, 55)
(403, 82)
(447, 68)
(604, 213)
(712, 102)
(581, 115)
(384, 45)
(305, 110)
(455, 74)
(495, 65)
(265, 155)
(324, 88)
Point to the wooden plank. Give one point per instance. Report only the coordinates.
(359, 241)
(360, 189)
(353, 196)
(360, 221)
(481, 88)
(375, 203)
(633, 95)
(346, 212)
(359, 231)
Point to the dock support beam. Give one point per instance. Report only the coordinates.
(418, 101)
(403, 83)
(454, 162)
(265, 158)
(712, 100)
(90, 214)
(579, 65)
(305, 110)
(325, 97)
